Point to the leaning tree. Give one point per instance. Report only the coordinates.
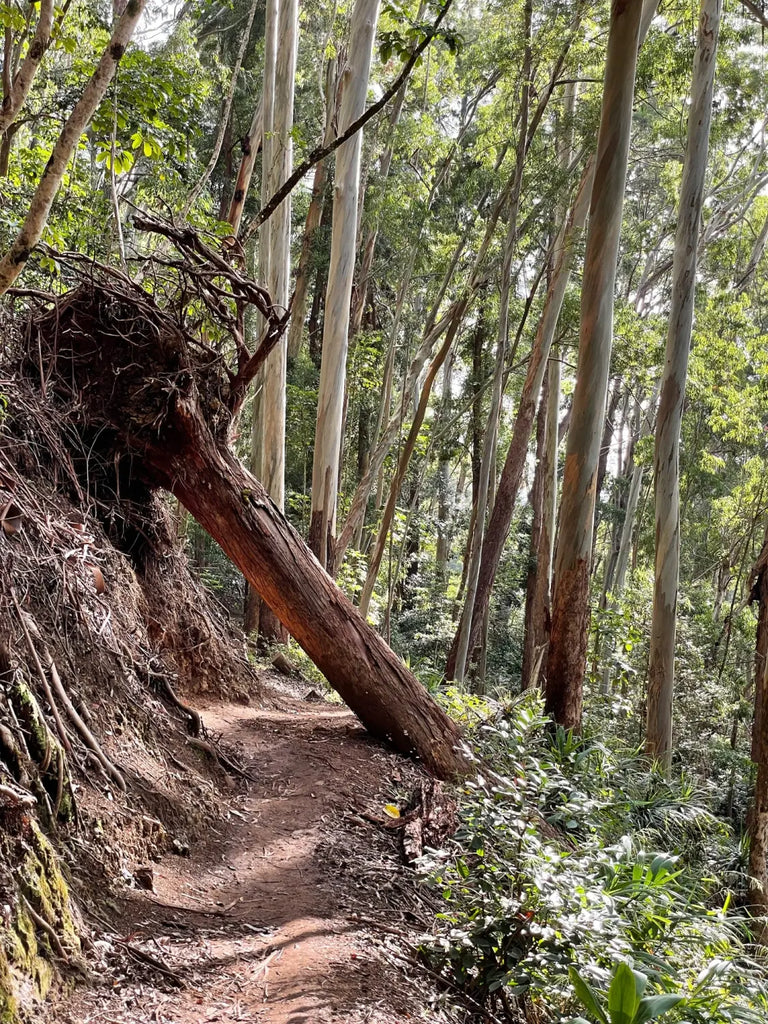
(157, 401)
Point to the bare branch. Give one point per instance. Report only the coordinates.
(760, 16)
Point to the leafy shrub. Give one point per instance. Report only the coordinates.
(569, 855)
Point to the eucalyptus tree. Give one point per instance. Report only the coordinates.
(19, 72)
(566, 663)
(330, 400)
(758, 819)
(666, 457)
(14, 260)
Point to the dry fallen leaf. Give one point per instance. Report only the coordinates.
(98, 579)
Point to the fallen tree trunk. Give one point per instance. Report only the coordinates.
(143, 392)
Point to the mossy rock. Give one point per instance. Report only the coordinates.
(9, 1007)
(27, 961)
(43, 884)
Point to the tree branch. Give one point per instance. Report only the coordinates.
(755, 11)
(321, 152)
(14, 261)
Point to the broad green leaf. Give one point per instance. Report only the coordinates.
(586, 995)
(622, 996)
(654, 1006)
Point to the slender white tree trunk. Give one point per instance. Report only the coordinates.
(281, 33)
(661, 670)
(14, 261)
(647, 420)
(278, 152)
(570, 605)
(330, 400)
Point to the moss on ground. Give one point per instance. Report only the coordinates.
(27, 956)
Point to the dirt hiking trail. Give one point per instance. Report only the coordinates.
(296, 912)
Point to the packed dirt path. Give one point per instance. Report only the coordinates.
(295, 912)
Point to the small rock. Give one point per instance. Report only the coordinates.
(179, 848)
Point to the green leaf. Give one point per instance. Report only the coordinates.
(586, 995)
(622, 996)
(654, 1006)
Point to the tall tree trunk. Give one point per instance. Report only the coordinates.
(251, 144)
(442, 551)
(282, 18)
(488, 449)
(330, 399)
(14, 261)
(605, 449)
(405, 456)
(514, 464)
(757, 824)
(537, 584)
(661, 670)
(566, 662)
(433, 330)
(18, 83)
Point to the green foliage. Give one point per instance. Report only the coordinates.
(571, 865)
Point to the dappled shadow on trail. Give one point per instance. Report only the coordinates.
(256, 924)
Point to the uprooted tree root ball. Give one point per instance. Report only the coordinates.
(154, 402)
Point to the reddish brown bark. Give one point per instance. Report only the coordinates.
(234, 508)
(514, 464)
(563, 703)
(567, 660)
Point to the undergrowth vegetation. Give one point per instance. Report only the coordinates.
(585, 885)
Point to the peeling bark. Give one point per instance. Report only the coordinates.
(331, 390)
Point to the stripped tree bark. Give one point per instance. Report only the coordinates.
(30, 233)
(661, 670)
(275, 244)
